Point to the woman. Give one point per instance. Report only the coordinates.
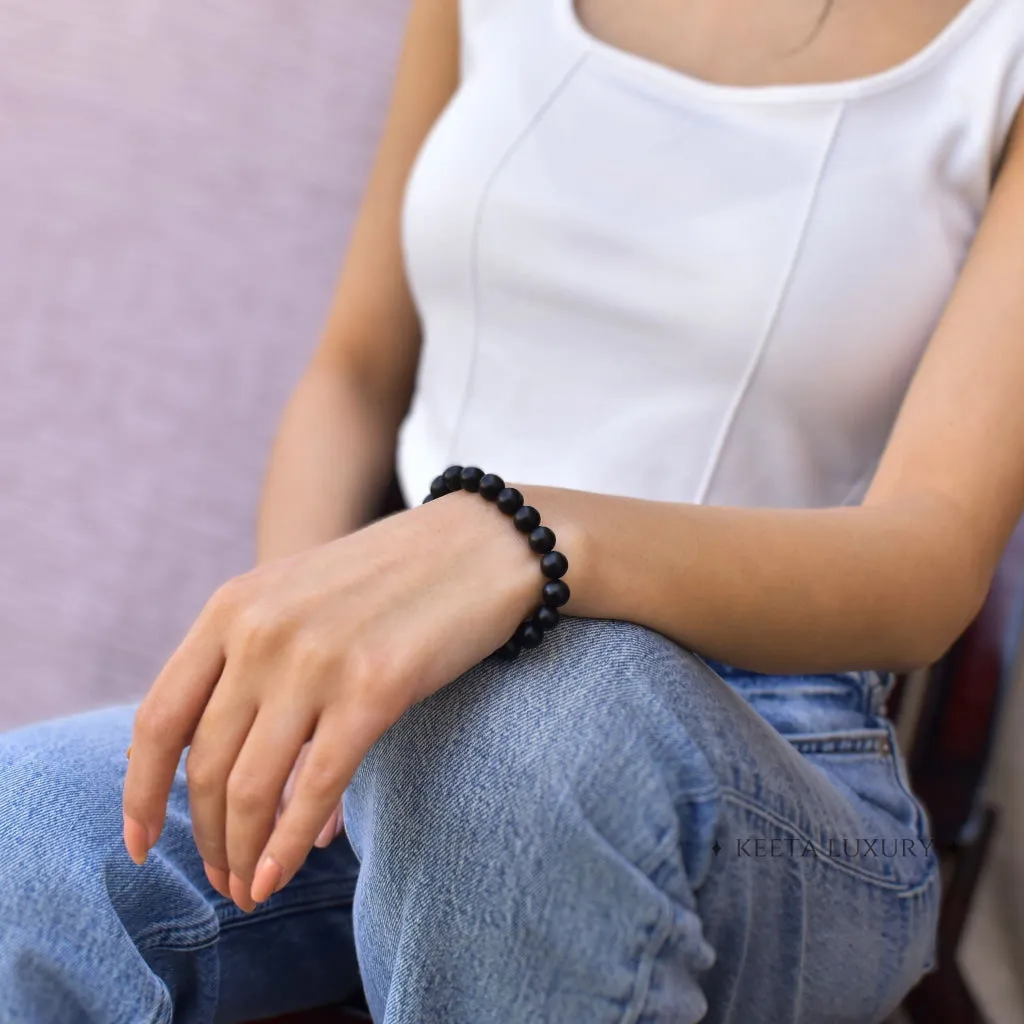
(731, 291)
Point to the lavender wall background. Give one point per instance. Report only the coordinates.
(177, 181)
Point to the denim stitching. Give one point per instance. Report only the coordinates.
(736, 796)
(164, 1013)
(200, 936)
(658, 935)
(669, 842)
(847, 741)
(817, 689)
(901, 889)
(882, 744)
(901, 778)
(241, 920)
(173, 937)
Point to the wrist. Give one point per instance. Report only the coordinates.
(508, 579)
(527, 522)
(509, 564)
(563, 511)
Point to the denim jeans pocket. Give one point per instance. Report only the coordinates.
(810, 704)
(836, 722)
(895, 837)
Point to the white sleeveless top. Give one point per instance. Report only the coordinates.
(635, 282)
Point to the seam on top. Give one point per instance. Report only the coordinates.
(485, 193)
(732, 415)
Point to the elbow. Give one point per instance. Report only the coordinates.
(919, 651)
(936, 623)
(943, 579)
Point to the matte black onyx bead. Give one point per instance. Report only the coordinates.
(438, 488)
(529, 634)
(491, 485)
(452, 476)
(546, 618)
(509, 651)
(510, 501)
(429, 497)
(554, 565)
(526, 519)
(555, 593)
(542, 540)
(471, 477)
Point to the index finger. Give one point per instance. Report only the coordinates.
(164, 724)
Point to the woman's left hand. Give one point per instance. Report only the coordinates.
(326, 648)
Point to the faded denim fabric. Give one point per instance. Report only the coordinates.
(605, 830)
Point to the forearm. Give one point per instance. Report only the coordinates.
(330, 465)
(886, 586)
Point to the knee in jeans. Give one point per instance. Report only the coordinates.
(578, 733)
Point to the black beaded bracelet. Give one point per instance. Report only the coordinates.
(526, 519)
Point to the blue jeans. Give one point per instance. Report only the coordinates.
(604, 831)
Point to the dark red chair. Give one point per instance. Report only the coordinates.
(948, 762)
(326, 1015)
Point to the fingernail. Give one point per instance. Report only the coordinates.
(218, 879)
(268, 877)
(240, 893)
(135, 840)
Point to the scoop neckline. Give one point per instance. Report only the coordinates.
(956, 29)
